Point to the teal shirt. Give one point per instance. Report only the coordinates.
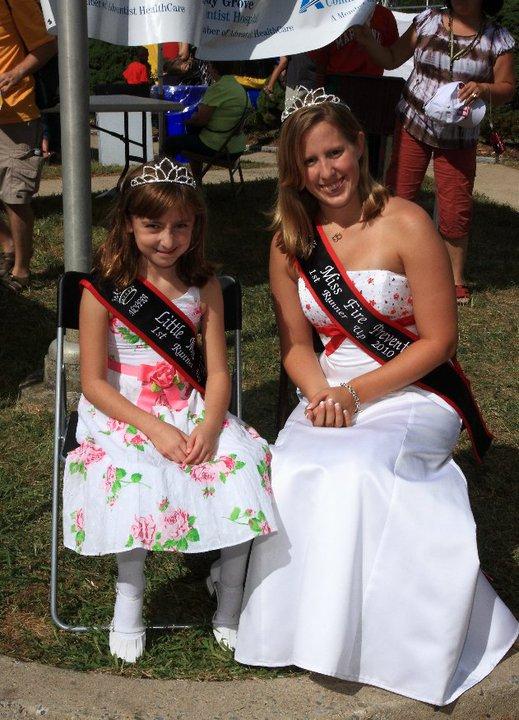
(229, 100)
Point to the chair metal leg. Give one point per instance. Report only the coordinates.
(58, 438)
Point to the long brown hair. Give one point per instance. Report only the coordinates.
(296, 208)
(118, 257)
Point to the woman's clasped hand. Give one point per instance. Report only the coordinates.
(331, 407)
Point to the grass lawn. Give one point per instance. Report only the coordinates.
(239, 242)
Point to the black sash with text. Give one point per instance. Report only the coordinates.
(156, 320)
(384, 339)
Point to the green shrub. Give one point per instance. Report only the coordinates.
(268, 111)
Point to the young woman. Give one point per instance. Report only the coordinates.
(373, 575)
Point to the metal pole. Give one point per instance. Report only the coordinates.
(75, 133)
(160, 79)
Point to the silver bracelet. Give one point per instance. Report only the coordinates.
(353, 393)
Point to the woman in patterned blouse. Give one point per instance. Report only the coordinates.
(457, 43)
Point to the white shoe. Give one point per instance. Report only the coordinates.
(127, 646)
(228, 606)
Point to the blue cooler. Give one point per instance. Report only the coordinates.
(189, 96)
(253, 96)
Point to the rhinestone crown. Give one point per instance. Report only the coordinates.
(164, 171)
(306, 98)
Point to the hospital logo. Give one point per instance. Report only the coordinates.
(305, 4)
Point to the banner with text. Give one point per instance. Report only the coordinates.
(225, 29)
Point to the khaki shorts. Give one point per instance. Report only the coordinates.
(20, 168)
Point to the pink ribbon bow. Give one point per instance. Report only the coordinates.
(158, 384)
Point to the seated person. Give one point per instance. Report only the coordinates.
(220, 110)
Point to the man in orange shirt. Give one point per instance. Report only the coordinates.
(25, 46)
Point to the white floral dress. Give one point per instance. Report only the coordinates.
(120, 493)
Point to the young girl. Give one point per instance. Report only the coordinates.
(160, 465)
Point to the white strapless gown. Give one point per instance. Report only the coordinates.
(374, 573)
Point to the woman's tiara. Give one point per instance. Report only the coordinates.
(306, 98)
(164, 171)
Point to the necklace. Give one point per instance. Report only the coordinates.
(463, 51)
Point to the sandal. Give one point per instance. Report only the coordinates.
(463, 296)
(6, 263)
(15, 283)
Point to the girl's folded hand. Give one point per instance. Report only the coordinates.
(169, 441)
(201, 444)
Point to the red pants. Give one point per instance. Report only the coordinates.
(454, 173)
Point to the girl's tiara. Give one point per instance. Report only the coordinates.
(164, 172)
(306, 98)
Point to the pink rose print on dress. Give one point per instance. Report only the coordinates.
(263, 468)
(253, 433)
(115, 479)
(212, 471)
(77, 527)
(115, 425)
(80, 519)
(197, 314)
(177, 529)
(109, 478)
(175, 524)
(265, 528)
(86, 454)
(257, 522)
(143, 530)
(163, 505)
(204, 473)
(134, 438)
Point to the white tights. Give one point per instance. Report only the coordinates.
(233, 564)
(130, 590)
(130, 583)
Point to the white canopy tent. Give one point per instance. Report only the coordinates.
(221, 29)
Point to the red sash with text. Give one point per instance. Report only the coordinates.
(382, 338)
(158, 321)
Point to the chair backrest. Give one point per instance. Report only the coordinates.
(69, 297)
(232, 302)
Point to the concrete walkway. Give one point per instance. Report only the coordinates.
(29, 690)
(497, 182)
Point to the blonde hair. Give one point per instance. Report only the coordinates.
(296, 208)
(118, 257)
